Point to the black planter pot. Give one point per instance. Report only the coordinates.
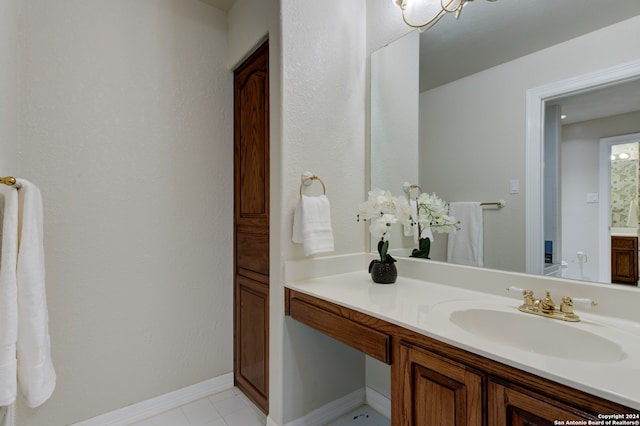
(383, 273)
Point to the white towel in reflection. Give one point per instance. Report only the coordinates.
(36, 376)
(412, 230)
(312, 224)
(8, 296)
(465, 246)
(632, 220)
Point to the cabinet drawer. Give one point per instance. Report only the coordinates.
(372, 342)
(630, 243)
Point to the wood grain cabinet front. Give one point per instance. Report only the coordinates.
(438, 391)
(362, 337)
(624, 260)
(510, 405)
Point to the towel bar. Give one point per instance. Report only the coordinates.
(312, 178)
(407, 188)
(499, 203)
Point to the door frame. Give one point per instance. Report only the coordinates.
(605, 200)
(536, 100)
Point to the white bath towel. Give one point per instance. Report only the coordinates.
(8, 296)
(465, 246)
(632, 220)
(36, 376)
(8, 415)
(312, 225)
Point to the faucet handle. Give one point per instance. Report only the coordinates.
(527, 296)
(516, 290)
(547, 305)
(584, 302)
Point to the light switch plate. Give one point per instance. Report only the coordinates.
(514, 186)
(593, 197)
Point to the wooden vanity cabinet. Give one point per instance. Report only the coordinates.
(511, 405)
(624, 260)
(438, 391)
(434, 383)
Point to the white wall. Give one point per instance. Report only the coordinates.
(9, 86)
(324, 93)
(580, 150)
(127, 130)
(487, 141)
(317, 107)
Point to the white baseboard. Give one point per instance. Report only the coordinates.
(154, 406)
(342, 406)
(332, 410)
(271, 422)
(378, 402)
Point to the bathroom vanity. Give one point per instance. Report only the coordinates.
(624, 259)
(463, 357)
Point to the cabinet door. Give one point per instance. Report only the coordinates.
(510, 407)
(624, 260)
(251, 227)
(437, 391)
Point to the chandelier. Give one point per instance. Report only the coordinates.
(430, 8)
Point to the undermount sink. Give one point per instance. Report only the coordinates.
(543, 336)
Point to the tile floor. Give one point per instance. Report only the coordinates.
(364, 415)
(228, 408)
(232, 408)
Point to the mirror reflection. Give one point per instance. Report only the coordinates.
(465, 138)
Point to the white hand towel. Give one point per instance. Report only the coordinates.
(8, 295)
(632, 220)
(36, 376)
(312, 225)
(465, 246)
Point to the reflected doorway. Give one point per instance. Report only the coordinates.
(537, 101)
(620, 184)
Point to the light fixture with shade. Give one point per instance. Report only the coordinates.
(434, 10)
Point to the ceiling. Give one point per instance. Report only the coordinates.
(491, 33)
(611, 100)
(220, 4)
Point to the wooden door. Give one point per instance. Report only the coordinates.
(251, 227)
(437, 391)
(511, 407)
(624, 260)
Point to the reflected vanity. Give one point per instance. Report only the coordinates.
(471, 136)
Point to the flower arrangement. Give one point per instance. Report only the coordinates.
(432, 217)
(383, 210)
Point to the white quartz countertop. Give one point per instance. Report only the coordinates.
(610, 370)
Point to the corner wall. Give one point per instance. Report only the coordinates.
(324, 110)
